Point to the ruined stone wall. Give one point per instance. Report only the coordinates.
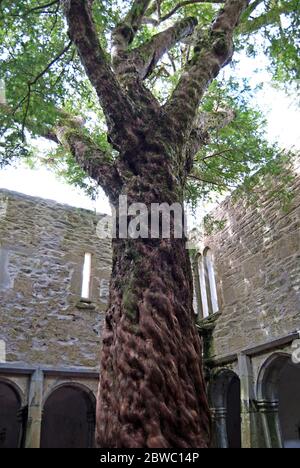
(257, 263)
(42, 248)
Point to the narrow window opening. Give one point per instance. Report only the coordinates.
(86, 277)
(211, 282)
(203, 292)
(2, 352)
(196, 287)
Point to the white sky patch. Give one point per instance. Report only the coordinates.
(282, 111)
(283, 116)
(43, 183)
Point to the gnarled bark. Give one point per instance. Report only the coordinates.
(212, 53)
(116, 105)
(94, 161)
(143, 60)
(152, 391)
(125, 32)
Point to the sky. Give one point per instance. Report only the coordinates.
(282, 114)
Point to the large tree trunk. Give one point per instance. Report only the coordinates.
(152, 391)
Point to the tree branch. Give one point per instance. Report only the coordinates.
(270, 17)
(117, 107)
(94, 161)
(183, 4)
(144, 59)
(125, 32)
(217, 154)
(208, 181)
(210, 56)
(38, 9)
(42, 7)
(70, 133)
(135, 16)
(31, 83)
(205, 124)
(8, 111)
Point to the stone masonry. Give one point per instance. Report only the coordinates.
(257, 263)
(256, 252)
(51, 336)
(42, 248)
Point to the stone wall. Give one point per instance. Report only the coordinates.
(257, 264)
(251, 341)
(53, 337)
(42, 248)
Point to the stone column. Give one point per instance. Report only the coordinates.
(219, 417)
(33, 432)
(249, 423)
(269, 411)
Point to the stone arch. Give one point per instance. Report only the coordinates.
(225, 399)
(67, 383)
(278, 395)
(269, 375)
(11, 414)
(17, 389)
(69, 417)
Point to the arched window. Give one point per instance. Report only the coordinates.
(10, 424)
(69, 418)
(278, 394)
(225, 399)
(211, 285)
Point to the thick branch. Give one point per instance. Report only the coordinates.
(209, 58)
(70, 133)
(200, 134)
(144, 59)
(117, 108)
(125, 32)
(95, 162)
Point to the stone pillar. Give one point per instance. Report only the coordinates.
(269, 411)
(33, 432)
(219, 418)
(249, 423)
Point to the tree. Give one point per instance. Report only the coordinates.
(147, 121)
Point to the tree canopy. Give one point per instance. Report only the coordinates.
(46, 84)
